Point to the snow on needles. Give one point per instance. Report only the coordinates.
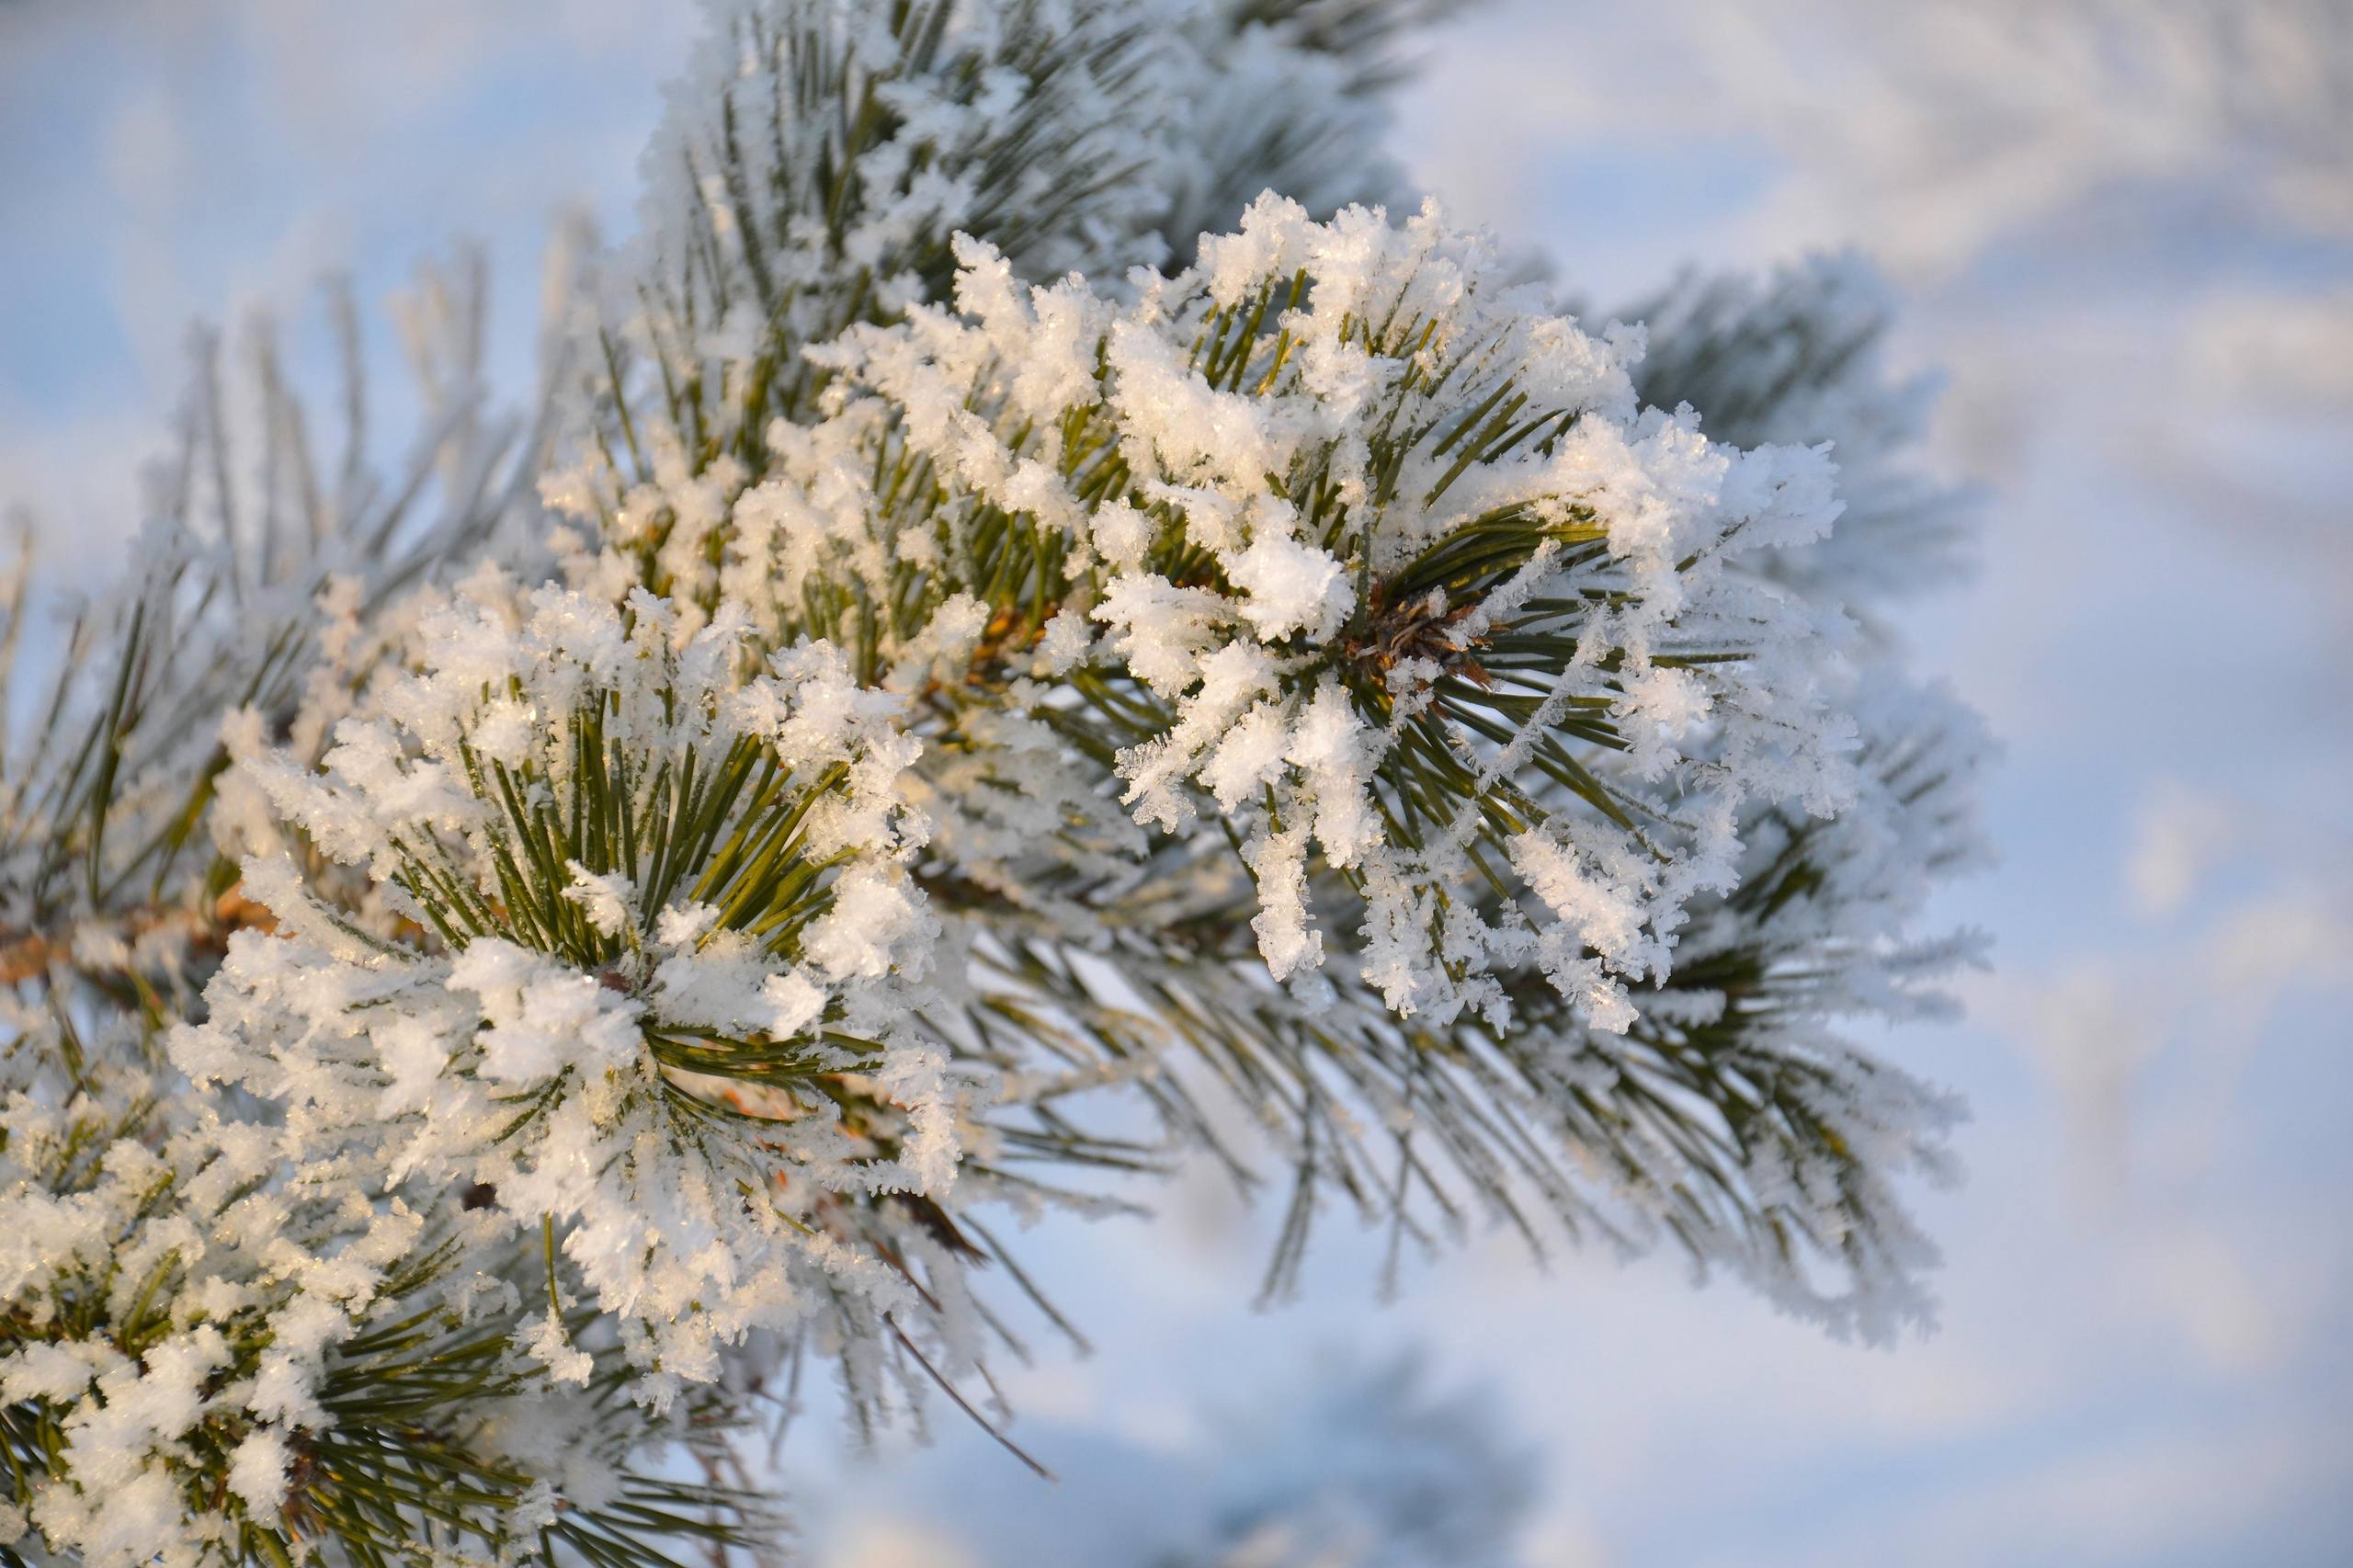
(672, 903)
(1361, 517)
(495, 992)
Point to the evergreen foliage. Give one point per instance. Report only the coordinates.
(991, 623)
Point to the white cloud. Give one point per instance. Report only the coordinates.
(2172, 1495)
(877, 1542)
(1930, 131)
(2181, 834)
(2285, 348)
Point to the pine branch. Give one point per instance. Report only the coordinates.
(471, 1017)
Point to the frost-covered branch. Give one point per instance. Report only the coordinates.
(993, 620)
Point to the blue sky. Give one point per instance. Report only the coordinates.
(2128, 236)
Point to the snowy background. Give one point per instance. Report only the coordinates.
(2126, 231)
